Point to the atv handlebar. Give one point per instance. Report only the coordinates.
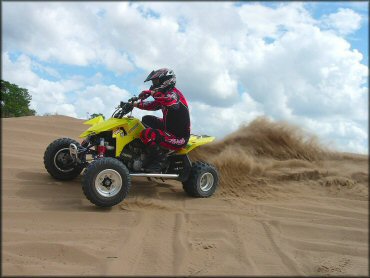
(126, 107)
(122, 109)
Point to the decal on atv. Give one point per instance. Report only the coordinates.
(133, 128)
(117, 131)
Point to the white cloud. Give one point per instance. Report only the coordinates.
(217, 121)
(288, 64)
(268, 22)
(47, 96)
(66, 109)
(310, 73)
(345, 21)
(51, 96)
(65, 32)
(338, 133)
(51, 31)
(116, 62)
(99, 99)
(19, 72)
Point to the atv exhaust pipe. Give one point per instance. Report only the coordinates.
(149, 175)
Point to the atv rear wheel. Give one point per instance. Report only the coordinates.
(58, 161)
(106, 182)
(202, 181)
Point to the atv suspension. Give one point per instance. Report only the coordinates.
(78, 153)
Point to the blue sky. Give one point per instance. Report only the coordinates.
(299, 61)
(359, 39)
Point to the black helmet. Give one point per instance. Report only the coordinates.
(163, 79)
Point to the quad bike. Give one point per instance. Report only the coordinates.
(116, 154)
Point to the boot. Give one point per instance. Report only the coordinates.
(156, 155)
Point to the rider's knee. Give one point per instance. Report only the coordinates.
(147, 119)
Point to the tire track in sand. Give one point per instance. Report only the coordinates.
(179, 246)
(156, 247)
(125, 263)
(288, 262)
(243, 256)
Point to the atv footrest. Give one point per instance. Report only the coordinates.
(154, 175)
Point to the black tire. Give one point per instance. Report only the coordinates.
(58, 161)
(193, 186)
(96, 192)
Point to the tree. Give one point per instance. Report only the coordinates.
(15, 101)
(92, 116)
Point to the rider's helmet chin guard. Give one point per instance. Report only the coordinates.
(163, 79)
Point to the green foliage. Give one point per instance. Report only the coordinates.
(92, 116)
(15, 101)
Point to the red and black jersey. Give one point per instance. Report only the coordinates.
(175, 110)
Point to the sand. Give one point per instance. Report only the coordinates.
(285, 206)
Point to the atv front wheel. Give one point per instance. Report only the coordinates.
(58, 161)
(202, 181)
(106, 182)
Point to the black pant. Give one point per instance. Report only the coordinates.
(153, 122)
(154, 134)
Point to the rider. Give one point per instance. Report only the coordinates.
(173, 130)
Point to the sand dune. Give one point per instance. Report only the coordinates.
(285, 206)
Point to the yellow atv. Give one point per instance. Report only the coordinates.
(116, 154)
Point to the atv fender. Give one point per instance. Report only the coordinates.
(195, 141)
(94, 121)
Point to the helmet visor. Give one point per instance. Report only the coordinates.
(156, 82)
(149, 76)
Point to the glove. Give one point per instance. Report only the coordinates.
(145, 94)
(133, 99)
(127, 106)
